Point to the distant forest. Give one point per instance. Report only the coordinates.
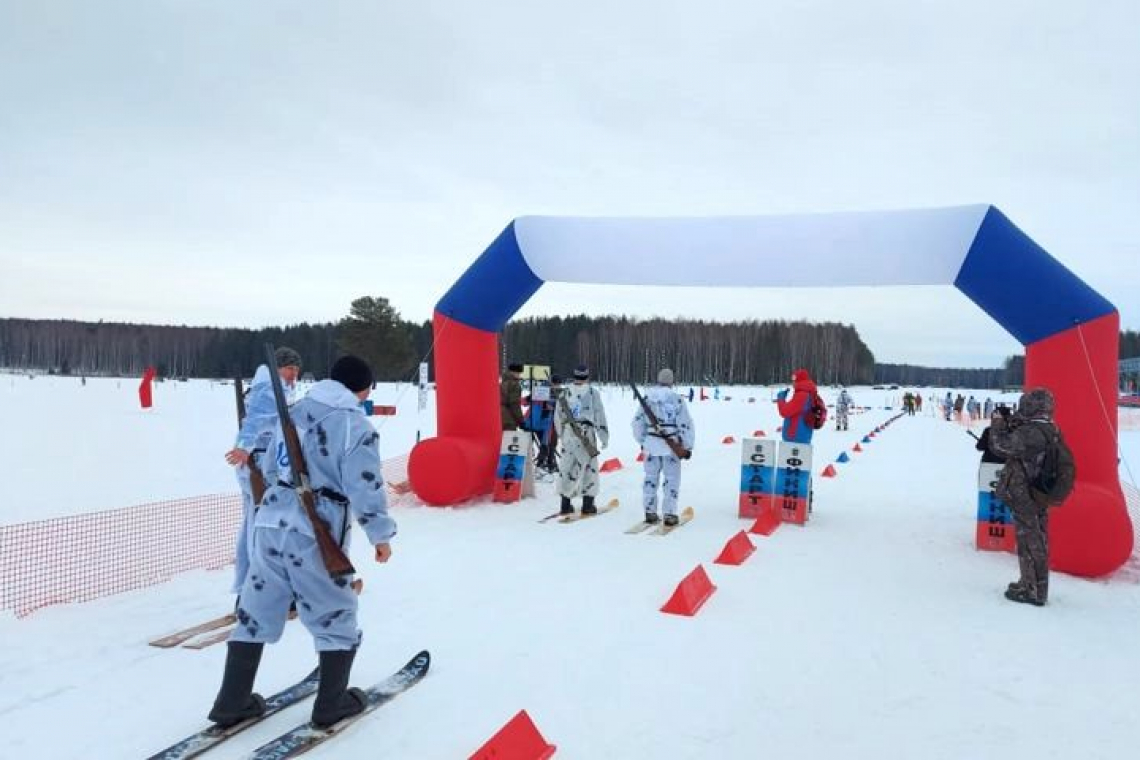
(617, 349)
(117, 349)
(1012, 375)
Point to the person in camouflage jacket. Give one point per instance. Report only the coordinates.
(1022, 437)
(510, 398)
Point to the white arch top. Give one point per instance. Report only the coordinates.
(910, 247)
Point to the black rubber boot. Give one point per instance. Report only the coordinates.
(1024, 596)
(671, 520)
(567, 507)
(588, 506)
(335, 700)
(652, 518)
(236, 701)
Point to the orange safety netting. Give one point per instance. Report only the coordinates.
(84, 557)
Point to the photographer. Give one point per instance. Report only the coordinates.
(984, 444)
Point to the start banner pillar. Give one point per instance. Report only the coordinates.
(514, 476)
(757, 477)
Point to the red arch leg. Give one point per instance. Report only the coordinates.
(460, 462)
(1090, 534)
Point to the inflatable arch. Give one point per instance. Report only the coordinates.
(1070, 332)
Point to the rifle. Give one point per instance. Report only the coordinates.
(256, 479)
(333, 556)
(674, 445)
(591, 449)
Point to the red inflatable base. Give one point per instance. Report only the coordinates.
(446, 471)
(460, 463)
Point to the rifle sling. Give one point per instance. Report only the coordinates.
(575, 426)
(332, 495)
(336, 497)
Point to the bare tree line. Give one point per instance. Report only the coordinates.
(618, 349)
(948, 377)
(99, 348)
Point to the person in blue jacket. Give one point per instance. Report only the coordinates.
(539, 419)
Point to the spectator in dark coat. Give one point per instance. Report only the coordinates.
(510, 397)
(983, 445)
(1022, 438)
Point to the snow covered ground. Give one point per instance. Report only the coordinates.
(876, 631)
(99, 450)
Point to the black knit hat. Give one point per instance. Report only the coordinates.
(581, 372)
(515, 367)
(352, 372)
(287, 357)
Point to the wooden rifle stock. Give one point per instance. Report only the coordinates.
(674, 445)
(333, 556)
(256, 479)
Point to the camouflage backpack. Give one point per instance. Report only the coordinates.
(1056, 472)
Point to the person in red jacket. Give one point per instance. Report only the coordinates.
(796, 427)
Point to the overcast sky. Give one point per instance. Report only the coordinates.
(247, 163)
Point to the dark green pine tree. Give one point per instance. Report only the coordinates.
(374, 331)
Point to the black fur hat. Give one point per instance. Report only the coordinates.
(352, 372)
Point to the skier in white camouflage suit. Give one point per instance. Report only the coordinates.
(675, 422)
(343, 459)
(578, 468)
(842, 409)
(253, 440)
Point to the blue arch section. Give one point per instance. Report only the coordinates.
(493, 288)
(1025, 290)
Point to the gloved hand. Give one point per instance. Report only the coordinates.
(782, 395)
(688, 454)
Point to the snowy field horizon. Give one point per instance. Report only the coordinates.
(877, 630)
